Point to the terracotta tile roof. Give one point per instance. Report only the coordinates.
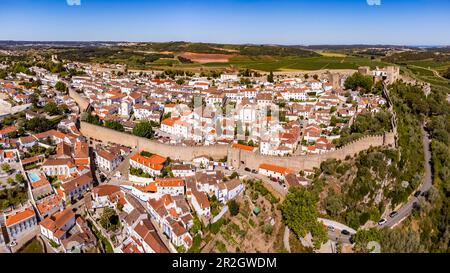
(130, 248)
(19, 216)
(9, 154)
(170, 182)
(49, 133)
(151, 187)
(169, 121)
(81, 150)
(146, 231)
(275, 168)
(76, 183)
(201, 198)
(177, 228)
(243, 147)
(47, 204)
(106, 154)
(57, 221)
(154, 161)
(63, 149)
(106, 190)
(231, 184)
(27, 139)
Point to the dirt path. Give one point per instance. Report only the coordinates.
(286, 239)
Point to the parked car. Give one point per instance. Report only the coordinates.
(12, 244)
(415, 205)
(330, 228)
(417, 193)
(254, 171)
(393, 214)
(382, 222)
(247, 169)
(345, 232)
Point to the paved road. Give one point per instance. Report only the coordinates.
(335, 234)
(274, 185)
(406, 209)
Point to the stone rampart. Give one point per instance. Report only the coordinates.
(252, 160)
(173, 151)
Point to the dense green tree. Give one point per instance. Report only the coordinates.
(19, 178)
(51, 108)
(109, 219)
(365, 124)
(12, 197)
(300, 214)
(196, 226)
(234, 175)
(5, 167)
(3, 74)
(115, 125)
(333, 204)
(389, 241)
(360, 82)
(60, 86)
(93, 119)
(143, 129)
(233, 206)
(39, 125)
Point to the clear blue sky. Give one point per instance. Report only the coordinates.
(406, 22)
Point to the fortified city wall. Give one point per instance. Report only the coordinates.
(173, 151)
(237, 158)
(82, 102)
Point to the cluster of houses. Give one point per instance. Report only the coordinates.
(16, 93)
(55, 163)
(55, 181)
(163, 204)
(292, 115)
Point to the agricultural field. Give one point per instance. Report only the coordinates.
(279, 64)
(331, 54)
(429, 71)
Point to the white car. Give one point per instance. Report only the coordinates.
(382, 222)
(12, 244)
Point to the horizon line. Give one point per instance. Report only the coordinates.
(228, 43)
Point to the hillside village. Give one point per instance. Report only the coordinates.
(80, 194)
